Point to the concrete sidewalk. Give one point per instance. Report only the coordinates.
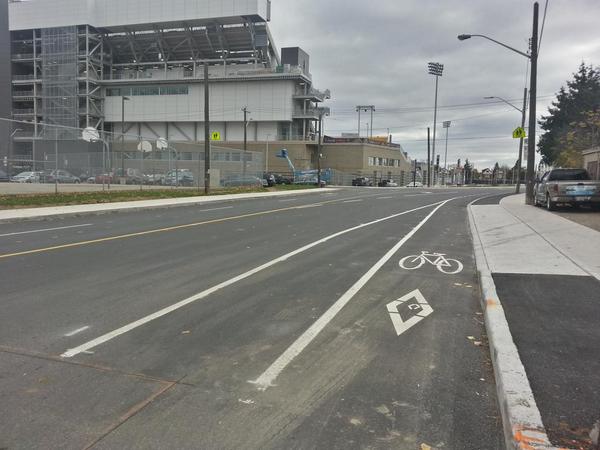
(541, 293)
(16, 215)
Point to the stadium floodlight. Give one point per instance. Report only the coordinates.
(435, 69)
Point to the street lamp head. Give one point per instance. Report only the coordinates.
(435, 69)
(126, 98)
(489, 98)
(464, 37)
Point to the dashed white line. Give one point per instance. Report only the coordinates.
(77, 331)
(384, 198)
(268, 377)
(169, 309)
(47, 229)
(352, 201)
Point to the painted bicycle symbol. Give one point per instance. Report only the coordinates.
(439, 260)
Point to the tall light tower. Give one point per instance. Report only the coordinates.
(447, 127)
(365, 108)
(435, 69)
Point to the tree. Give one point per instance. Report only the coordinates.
(495, 173)
(468, 168)
(564, 137)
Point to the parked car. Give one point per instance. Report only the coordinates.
(3, 176)
(243, 181)
(127, 176)
(566, 186)
(105, 178)
(416, 184)
(27, 177)
(154, 178)
(270, 179)
(310, 180)
(60, 176)
(179, 177)
(281, 179)
(387, 183)
(362, 181)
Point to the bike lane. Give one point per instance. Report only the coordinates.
(405, 365)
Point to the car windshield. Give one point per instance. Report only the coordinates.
(569, 175)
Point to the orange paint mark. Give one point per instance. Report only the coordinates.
(491, 302)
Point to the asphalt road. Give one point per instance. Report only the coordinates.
(271, 323)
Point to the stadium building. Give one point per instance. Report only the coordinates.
(136, 68)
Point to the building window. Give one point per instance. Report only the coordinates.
(147, 90)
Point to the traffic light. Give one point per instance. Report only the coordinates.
(437, 161)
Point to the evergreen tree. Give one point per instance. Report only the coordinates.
(572, 106)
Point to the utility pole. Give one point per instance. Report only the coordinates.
(123, 100)
(428, 158)
(519, 161)
(322, 112)
(245, 109)
(529, 197)
(415, 174)
(206, 134)
(435, 69)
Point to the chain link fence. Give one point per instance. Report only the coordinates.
(48, 155)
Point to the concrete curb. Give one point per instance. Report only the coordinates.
(55, 212)
(521, 419)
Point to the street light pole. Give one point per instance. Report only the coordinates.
(523, 116)
(533, 57)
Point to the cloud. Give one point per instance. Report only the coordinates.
(377, 53)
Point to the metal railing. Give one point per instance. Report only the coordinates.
(23, 77)
(23, 94)
(23, 111)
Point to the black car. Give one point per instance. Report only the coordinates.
(280, 179)
(3, 176)
(362, 181)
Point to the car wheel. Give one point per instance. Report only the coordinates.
(550, 205)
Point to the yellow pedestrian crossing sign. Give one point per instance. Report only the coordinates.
(215, 136)
(519, 133)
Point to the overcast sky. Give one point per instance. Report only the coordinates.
(377, 53)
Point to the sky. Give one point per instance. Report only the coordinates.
(376, 53)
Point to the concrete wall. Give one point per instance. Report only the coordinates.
(269, 100)
(112, 13)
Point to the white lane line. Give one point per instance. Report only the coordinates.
(268, 377)
(288, 199)
(77, 331)
(384, 198)
(352, 201)
(216, 209)
(47, 229)
(169, 309)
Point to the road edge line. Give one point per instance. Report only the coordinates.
(521, 418)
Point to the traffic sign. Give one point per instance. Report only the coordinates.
(215, 136)
(519, 133)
